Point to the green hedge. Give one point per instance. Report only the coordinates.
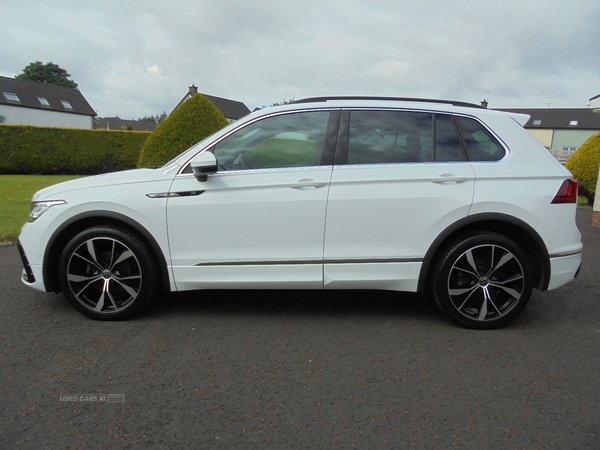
(67, 151)
(583, 164)
(191, 122)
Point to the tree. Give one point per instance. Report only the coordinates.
(155, 118)
(194, 120)
(583, 164)
(284, 102)
(49, 73)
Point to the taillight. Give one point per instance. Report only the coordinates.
(567, 192)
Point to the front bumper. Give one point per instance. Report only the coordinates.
(28, 275)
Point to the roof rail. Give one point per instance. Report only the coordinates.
(397, 99)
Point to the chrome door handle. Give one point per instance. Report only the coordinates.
(307, 183)
(448, 178)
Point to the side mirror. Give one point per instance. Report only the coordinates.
(203, 165)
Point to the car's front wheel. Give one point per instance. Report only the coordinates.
(108, 273)
(482, 281)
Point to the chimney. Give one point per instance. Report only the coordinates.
(484, 103)
(193, 90)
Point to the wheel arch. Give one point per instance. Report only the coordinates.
(511, 227)
(88, 219)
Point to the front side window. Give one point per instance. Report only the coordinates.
(379, 137)
(479, 142)
(288, 140)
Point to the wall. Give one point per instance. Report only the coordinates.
(543, 136)
(18, 115)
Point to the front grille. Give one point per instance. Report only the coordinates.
(27, 272)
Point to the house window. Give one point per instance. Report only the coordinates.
(66, 104)
(43, 101)
(537, 122)
(573, 123)
(11, 97)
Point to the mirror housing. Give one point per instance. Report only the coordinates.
(203, 165)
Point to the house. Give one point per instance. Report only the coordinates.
(595, 103)
(45, 105)
(561, 130)
(231, 109)
(116, 123)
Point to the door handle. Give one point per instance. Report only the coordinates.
(308, 183)
(449, 178)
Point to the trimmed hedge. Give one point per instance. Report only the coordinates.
(67, 151)
(584, 164)
(191, 122)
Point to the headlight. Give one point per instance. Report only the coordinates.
(39, 208)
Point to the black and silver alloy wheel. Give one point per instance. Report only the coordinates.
(107, 273)
(483, 281)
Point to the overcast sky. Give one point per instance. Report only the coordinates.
(136, 58)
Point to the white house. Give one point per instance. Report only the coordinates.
(561, 130)
(44, 105)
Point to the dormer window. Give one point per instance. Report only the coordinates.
(11, 97)
(66, 104)
(43, 101)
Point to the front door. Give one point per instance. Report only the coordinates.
(259, 221)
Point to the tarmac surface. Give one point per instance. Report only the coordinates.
(307, 370)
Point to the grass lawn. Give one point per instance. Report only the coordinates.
(15, 199)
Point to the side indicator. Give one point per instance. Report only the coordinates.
(174, 194)
(567, 192)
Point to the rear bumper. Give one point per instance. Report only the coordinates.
(563, 269)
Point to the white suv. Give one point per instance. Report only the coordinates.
(443, 198)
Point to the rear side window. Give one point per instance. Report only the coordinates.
(379, 137)
(479, 143)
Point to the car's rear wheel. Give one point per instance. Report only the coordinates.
(108, 273)
(482, 281)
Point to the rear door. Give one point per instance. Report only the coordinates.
(400, 178)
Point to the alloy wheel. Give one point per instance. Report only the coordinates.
(486, 282)
(104, 275)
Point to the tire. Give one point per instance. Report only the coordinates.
(108, 273)
(482, 281)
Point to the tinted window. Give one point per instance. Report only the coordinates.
(448, 147)
(288, 140)
(479, 143)
(399, 136)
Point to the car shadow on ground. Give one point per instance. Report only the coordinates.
(296, 303)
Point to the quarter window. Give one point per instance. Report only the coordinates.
(479, 142)
(289, 140)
